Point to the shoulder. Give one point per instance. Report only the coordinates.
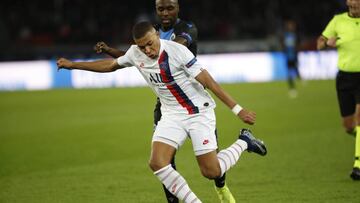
(188, 24)
(172, 45)
(174, 49)
(133, 53)
(132, 50)
(344, 14)
(183, 25)
(340, 16)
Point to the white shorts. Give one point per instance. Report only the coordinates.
(174, 129)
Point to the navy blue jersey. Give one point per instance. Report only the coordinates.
(290, 46)
(182, 29)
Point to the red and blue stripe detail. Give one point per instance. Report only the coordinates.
(174, 88)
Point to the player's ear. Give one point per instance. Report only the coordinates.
(157, 33)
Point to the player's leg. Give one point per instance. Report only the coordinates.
(349, 124)
(224, 194)
(213, 165)
(219, 182)
(157, 116)
(161, 155)
(203, 138)
(355, 174)
(346, 101)
(209, 164)
(169, 196)
(291, 81)
(168, 137)
(348, 94)
(221, 188)
(298, 76)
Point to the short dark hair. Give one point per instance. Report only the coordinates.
(141, 28)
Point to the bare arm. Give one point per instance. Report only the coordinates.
(101, 66)
(102, 47)
(323, 42)
(207, 81)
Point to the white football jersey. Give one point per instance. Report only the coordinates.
(172, 77)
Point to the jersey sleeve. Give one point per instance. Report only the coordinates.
(126, 60)
(188, 61)
(330, 30)
(189, 32)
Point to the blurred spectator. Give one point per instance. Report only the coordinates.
(80, 23)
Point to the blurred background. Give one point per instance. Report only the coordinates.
(46, 29)
(82, 139)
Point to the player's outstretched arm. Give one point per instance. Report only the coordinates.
(101, 66)
(207, 81)
(102, 47)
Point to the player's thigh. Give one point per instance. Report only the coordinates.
(202, 131)
(357, 100)
(209, 164)
(161, 155)
(346, 89)
(208, 160)
(170, 131)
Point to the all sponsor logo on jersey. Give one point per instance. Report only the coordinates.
(156, 78)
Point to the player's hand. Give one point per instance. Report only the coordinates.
(64, 63)
(247, 116)
(101, 47)
(331, 42)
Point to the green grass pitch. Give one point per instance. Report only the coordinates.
(93, 146)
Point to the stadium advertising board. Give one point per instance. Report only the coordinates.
(225, 68)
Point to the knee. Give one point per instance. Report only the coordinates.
(211, 172)
(157, 164)
(350, 131)
(349, 126)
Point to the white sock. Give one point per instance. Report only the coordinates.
(176, 184)
(229, 156)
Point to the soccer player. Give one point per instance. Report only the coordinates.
(290, 49)
(179, 80)
(343, 33)
(171, 27)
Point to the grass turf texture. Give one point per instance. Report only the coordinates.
(93, 146)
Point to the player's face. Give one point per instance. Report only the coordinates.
(354, 7)
(149, 44)
(167, 11)
(290, 25)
